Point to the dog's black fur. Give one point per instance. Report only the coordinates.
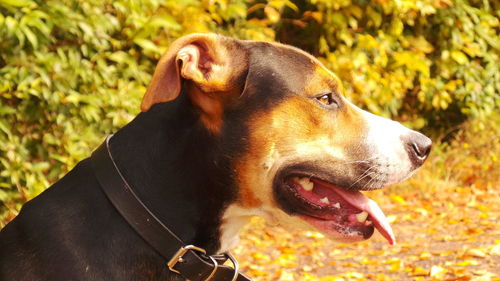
(72, 232)
(182, 169)
(178, 168)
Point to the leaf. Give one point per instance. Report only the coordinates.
(478, 253)
(147, 45)
(272, 14)
(165, 21)
(5, 110)
(376, 18)
(419, 271)
(292, 6)
(398, 199)
(459, 57)
(15, 3)
(437, 271)
(5, 128)
(119, 57)
(420, 44)
(495, 250)
(30, 36)
(396, 27)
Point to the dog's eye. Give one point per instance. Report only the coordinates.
(326, 99)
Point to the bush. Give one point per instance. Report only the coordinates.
(73, 71)
(428, 63)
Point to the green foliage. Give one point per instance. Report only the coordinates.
(69, 74)
(72, 71)
(429, 63)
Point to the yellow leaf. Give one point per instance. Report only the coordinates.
(382, 277)
(261, 258)
(315, 15)
(309, 277)
(395, 267)
(420, 44)
(478, 253)
(485, 274)
(356, 275)
(459, 57)
(495, 250)
(272, 14)
(472, 49)
(287, 276)
(398, 199)
(292, 6)
(367, 41)
(307, 268)
(17, 3)
(392, 218)
(396, 27)
(437, 271)
(355, 11)
(425, 255)
(287, 260)
(467, 263)
(422, 211)
(331, 278)
(419, 271)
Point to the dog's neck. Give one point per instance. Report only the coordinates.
(174, 165)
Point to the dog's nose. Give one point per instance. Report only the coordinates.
(418, 147)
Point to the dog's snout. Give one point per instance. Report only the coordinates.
(418, 147)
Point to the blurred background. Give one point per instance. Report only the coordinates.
(73, 71)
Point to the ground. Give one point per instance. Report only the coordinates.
(445, 218)
(444, 233)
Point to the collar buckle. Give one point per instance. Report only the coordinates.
(177, 257)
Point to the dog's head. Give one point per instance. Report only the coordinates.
(300, 151)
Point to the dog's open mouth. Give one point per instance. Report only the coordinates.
(345, 215)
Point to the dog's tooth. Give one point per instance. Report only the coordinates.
(306, 184)
(325, 200)
(361, 217)
(368, 223)
(337, 205)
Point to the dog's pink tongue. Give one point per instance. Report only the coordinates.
(358, 200)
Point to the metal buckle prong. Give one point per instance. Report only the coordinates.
(235, 266)
(216, 265)
(177, 257)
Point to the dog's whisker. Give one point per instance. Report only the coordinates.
(367, 160)
(364, 175)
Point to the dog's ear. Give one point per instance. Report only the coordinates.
(210, 61)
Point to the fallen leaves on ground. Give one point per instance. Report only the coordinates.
(448, 234)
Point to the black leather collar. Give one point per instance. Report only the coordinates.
(187, 260)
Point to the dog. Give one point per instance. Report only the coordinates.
(229, 129)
